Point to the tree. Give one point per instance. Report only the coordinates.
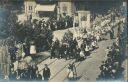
(5, 23)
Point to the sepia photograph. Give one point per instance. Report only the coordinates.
(63, 41)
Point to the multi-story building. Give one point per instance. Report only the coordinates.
(38, 9)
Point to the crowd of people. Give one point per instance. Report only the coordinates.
(52, 24)
(112, 64)
(104, 24)
(32, 73)
(87, 41)
(19, 51)
(29, 73)
(77, 48)
(73, 49)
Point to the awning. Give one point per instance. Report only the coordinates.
(45, 7)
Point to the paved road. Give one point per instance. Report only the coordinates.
(87, 69)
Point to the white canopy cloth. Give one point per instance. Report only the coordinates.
(45, 7)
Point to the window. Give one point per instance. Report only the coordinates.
(30, 7)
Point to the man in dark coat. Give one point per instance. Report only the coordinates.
(46, 73)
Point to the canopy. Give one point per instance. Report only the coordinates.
(45, 7)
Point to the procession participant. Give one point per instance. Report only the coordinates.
(97, 37)
(83, 45)
(87, 51)
(73, 53)
(52, 51)
(70, 72)
(46, 73)
(111, 34)
(73, 68)
(115, 45)
(107, 51)
(93, 44)
(117, 41)
(82, 56)
(61, 51)
(68, 52)
(65, 51)
(56, 46)
(75, 43)
(77, 54)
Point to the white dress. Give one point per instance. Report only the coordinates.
(70, 73)
(32, 49)
(82, 54)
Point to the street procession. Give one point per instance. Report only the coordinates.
(63, 40)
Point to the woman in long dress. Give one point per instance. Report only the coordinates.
(70, 72)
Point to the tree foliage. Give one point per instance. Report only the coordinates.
(29, 31)
(5, 23)
(24, 32)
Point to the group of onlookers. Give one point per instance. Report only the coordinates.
(112, 64)
(30, 73)
(19, 51)
(106, 23)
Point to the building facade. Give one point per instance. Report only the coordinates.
(38, 9)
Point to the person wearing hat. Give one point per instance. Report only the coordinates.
(46, 73)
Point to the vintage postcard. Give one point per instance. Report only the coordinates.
(63, 40)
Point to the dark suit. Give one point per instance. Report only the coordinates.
(46, 73)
